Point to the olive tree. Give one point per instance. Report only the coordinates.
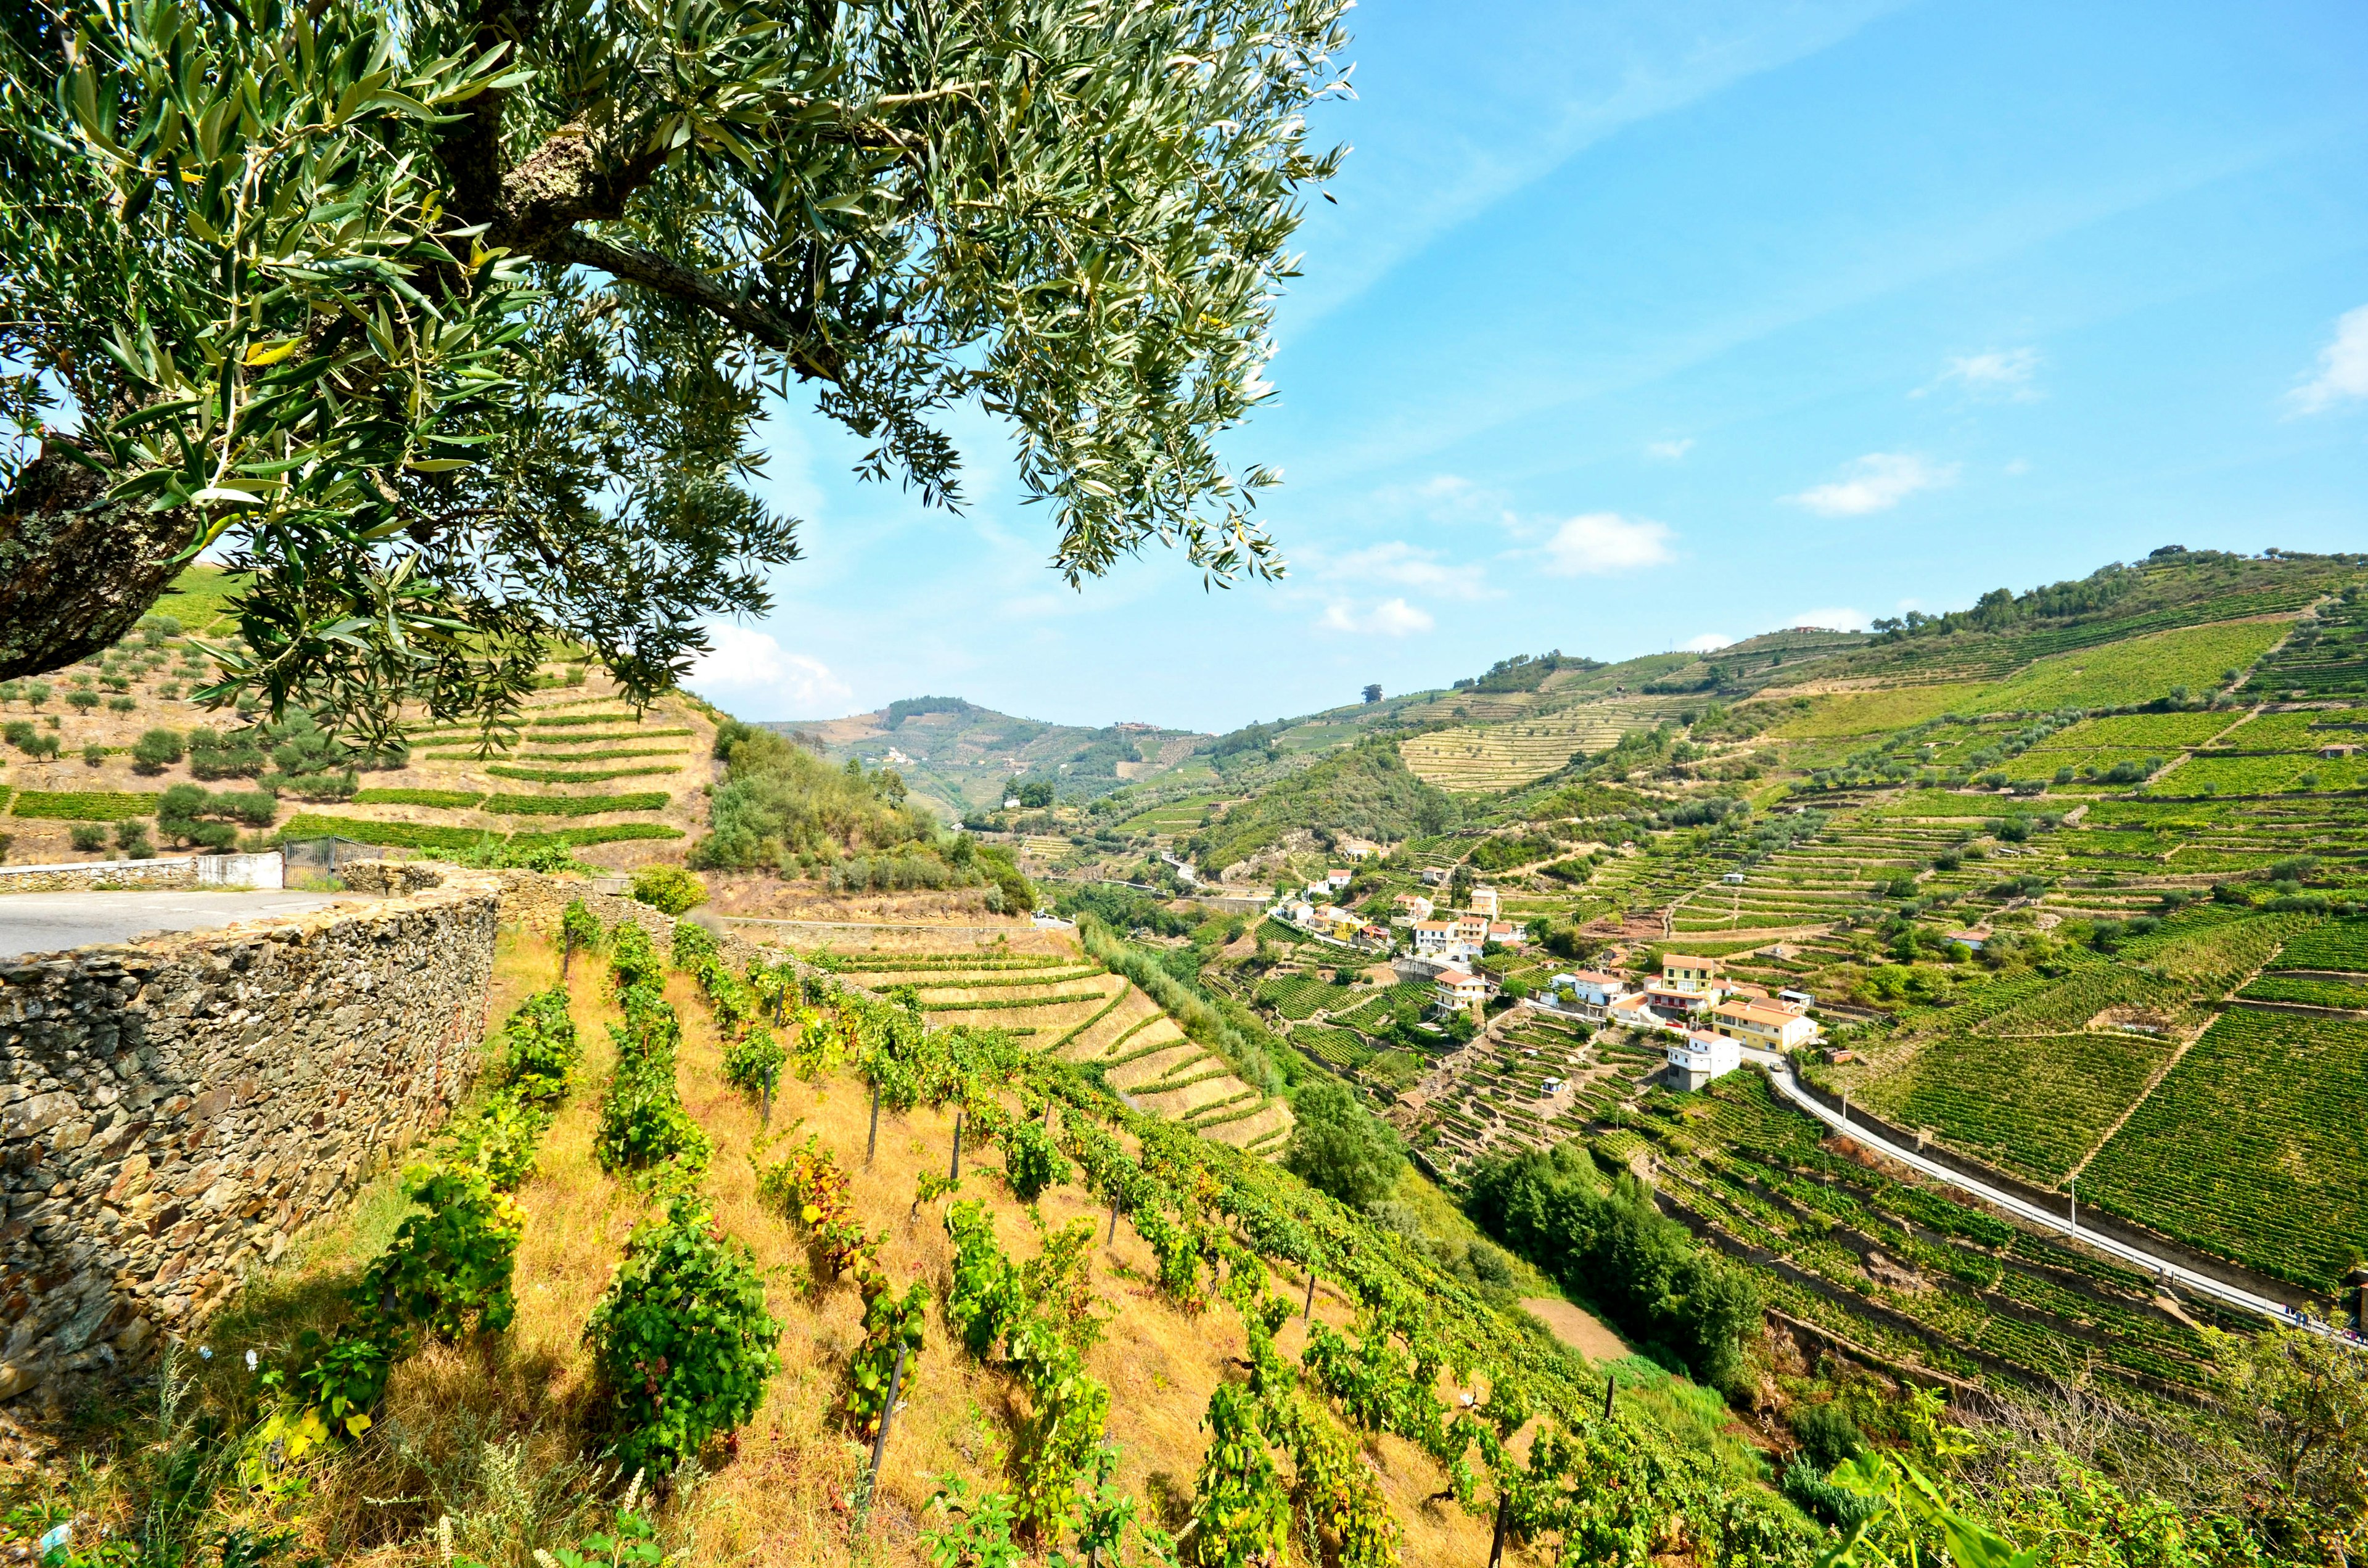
(452, 323)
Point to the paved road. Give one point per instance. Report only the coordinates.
(2203, 1285)
(47, 922)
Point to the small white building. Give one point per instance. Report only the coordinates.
(1483, 902)
(1699, 1059)
(1337, 878)
(1733, 879)
(1407, 907)
(1433, 876)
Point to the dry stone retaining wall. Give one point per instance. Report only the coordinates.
(172, 1113)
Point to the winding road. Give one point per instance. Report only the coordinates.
(1780, 1075)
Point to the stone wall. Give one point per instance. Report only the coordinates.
(265, 871)
(173, 1113)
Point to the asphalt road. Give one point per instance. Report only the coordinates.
(47, 922)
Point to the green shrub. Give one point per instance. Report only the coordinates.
(214, 755)
(499, 1136)
(1032, 1162)
(542, 1046)
(131, 840)
(1827, 1435)
(88, 838)
(644, 1128)
(754, 1061)
(581, 927)
(681, 1344)
(669, 889)
(156, 750)
(448, 1269)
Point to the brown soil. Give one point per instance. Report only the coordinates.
(1577, 1328)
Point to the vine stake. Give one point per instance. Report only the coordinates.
(1497, 1546)
(874, 1142)
(1112, 1240)
(1611, 1387)
(879, 1443)
(1308, 1316)
(953, 1171)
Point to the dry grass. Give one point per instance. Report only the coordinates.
(504, 1437)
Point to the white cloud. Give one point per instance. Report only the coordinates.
(1875, 483)
(1598, 543)
(2343, 367)
(749, 663)
(2017, 467)
(1391, 618)
(1670, 452)
(1708, 642)
(1996, 372)
(1407, 565)
(1830, 620)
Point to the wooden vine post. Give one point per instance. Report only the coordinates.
(873, 1143)
(953, 1171)
(1497, 1546)
(1308, 1316)
(880, 1441)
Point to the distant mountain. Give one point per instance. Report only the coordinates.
(958, 756)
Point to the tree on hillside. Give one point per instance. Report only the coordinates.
(1337, 1144)
(1374, 693)
(452, 323)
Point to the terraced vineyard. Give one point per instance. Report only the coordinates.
(2251, 1146)
(1505, 754)
(1037, 985)
(1901, 1267)
(2326, 658)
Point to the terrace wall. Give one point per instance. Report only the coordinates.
(173, 1113)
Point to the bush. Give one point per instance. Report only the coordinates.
(449, 1268)
(1827, 1435)
(214, 755)
(681, 1344)
(132, 841)
(1339, 1147)
(155, 751)
(669, 889)
(88, 838)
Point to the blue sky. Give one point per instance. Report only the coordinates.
(1642, 325)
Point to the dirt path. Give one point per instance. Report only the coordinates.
(1577, 1328)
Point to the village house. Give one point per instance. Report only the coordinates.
(1758, 1023)
(1675, 1003)
(1337, 878)
(1409, 907)
(1433, 876)
(1590, 995)
(1483, 902)
(1358, 849)
(1471, 929)
(1680, 972)
(1634, 1012)
(1456, 989)
(1700, 1059)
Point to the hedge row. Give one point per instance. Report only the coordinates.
(85, 805)
(555, 775)
(414, 835)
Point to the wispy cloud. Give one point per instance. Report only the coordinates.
(1391, 618)
(2343, 367)
(1708, 642)
(1484, 113)
(1995, 373)
(760, 675)
(1670, 452)
(1407, 565)
(1598, 543)
(1875, 483)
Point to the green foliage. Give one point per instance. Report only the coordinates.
(1338, 1146)
(670, 890)
(1609, 1244)
(448, 1269)
(891, 1324)
(681, 1343)
(780, 805)
(567, 776)
(1241, 1514)
(156, 750)
(453, 799)
(581, 927)
(83, 805)
(1367, 791)
(574, 805)
(754, 1061)
(1031, 1161)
